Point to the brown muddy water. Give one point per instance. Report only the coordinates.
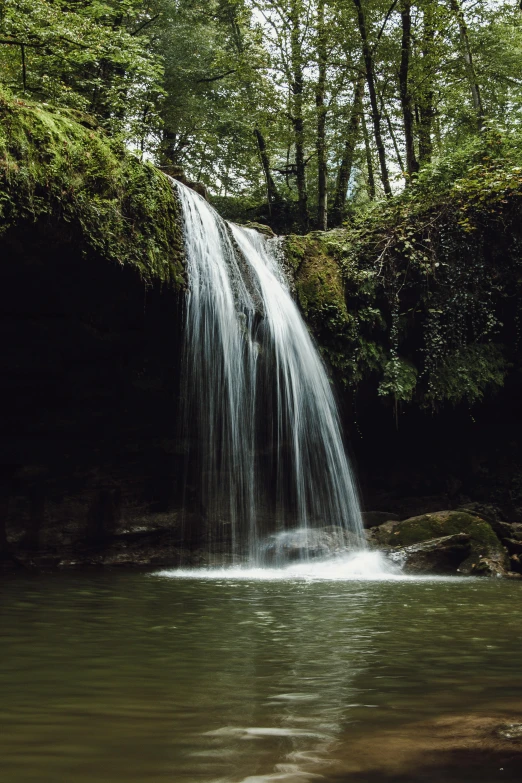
(116, 676)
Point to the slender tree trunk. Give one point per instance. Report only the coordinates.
(237, 36)
(322, 172)
(271, 189)
(412, 165)
(297, 88)
(425, 102)
(345, 169)
(392, 134)
(369, 161)
(468, 61)
(370, 78)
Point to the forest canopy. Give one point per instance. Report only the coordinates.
(294, 111)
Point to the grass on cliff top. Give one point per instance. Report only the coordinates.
(57, 167)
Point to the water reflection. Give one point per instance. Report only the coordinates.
(126, 676)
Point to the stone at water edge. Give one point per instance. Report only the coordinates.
(436, 556)
(508, 531)
(466, 747)
(513, 546)
(486, 557)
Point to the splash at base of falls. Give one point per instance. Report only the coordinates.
(360, 566)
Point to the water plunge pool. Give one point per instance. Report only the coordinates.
(112, 675)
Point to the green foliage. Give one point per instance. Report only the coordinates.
(399, 378)
(91, 55)
(53, 168)
(431, 282)
(468, 373)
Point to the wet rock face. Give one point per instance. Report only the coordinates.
(443, 542)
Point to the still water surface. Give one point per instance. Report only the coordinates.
(124, 676)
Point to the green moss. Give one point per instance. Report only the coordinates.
(55, 167)
(423, 528)
(317, 277)
(342, 333)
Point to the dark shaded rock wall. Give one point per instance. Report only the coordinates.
(89, 390)
(416, 461)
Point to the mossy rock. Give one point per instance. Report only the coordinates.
(319, 290)
(487, 554)
(55, 168)
(317, 276)
(261, 228)
(441, 523)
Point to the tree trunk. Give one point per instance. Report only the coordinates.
(392, 134)
(468, 61)
(297, 87)
(369, 161)
(345, 169)
(412, 165)
(272, 195)
(322, 172)
(370, 78)
(271, 189)
(425, 102)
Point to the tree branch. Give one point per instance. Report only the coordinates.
(145, 24)
(386, 18)
(215, 78)
(21, 43)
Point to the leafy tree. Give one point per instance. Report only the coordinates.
(286, 109)
(90, 56)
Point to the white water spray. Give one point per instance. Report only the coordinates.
(266, 450)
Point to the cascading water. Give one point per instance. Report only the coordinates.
(267, 467)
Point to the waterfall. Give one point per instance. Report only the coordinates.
(267, 471)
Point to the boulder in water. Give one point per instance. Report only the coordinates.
(485, 557)
(436, 556)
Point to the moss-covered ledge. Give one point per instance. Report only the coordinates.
(57, 168)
